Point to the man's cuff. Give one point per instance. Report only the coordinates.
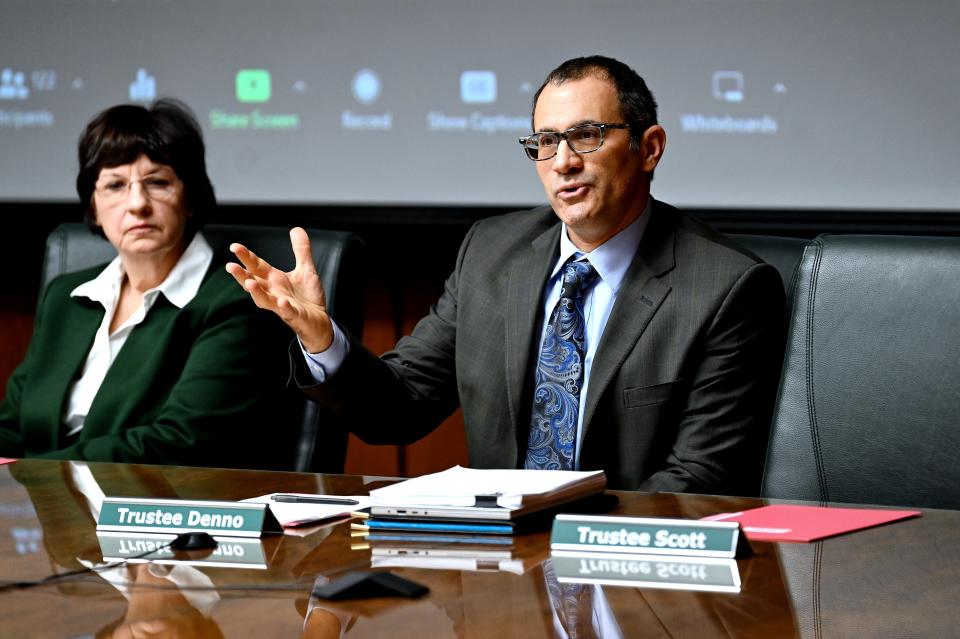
(326, 363)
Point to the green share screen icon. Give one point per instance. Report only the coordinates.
(253, 85)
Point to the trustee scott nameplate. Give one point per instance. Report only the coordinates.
(648, 535)
(647, 571)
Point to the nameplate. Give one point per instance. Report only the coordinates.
(231, 552)
(648, 536)
(229, 518)
(647, 571)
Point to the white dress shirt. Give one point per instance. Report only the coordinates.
(179, 287)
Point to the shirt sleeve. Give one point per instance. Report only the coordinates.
(326, 363)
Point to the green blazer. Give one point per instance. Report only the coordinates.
(186, 388)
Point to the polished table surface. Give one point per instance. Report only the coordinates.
(897, 580)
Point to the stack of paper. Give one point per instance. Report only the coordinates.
(468, 493)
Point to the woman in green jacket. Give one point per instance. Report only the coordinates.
(157, 357)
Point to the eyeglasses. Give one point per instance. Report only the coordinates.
(161, 188)
(585, 138)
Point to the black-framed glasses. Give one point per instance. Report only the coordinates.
(584, 138)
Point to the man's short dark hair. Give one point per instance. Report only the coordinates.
(167, 133)
(637, 104)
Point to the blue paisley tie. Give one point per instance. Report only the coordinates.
(559, 376)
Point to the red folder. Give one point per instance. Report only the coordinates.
(808, 523)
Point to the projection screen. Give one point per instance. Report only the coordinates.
(802, 104)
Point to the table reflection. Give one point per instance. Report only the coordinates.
(163, 601)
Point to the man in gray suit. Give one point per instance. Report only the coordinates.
(604, 331)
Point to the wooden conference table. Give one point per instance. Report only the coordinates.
(898, 580)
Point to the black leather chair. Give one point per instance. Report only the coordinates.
(781, 252)
(867, 406)
(339, 258)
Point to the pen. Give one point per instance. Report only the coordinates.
(306, 499)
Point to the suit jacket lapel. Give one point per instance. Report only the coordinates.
(132, 365)
(70, 338)
(136, 363)
(528, 274)
(639, 297)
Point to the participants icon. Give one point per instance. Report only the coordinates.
(13, 85)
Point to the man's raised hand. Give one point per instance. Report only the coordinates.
(296, 296)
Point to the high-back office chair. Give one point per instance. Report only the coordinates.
(783, 253)
(867, 406)
(340, 263)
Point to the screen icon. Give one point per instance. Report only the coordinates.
(728, 86)
(253, 85)
(478, 87)
(143, 88)
(366, 86)
(13, 85)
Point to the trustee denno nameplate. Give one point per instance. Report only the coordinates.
(226, 518)
(231, 552)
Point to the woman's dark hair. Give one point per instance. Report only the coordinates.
(167, 133)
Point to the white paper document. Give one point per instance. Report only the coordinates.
(294, 513)
(510, 488)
